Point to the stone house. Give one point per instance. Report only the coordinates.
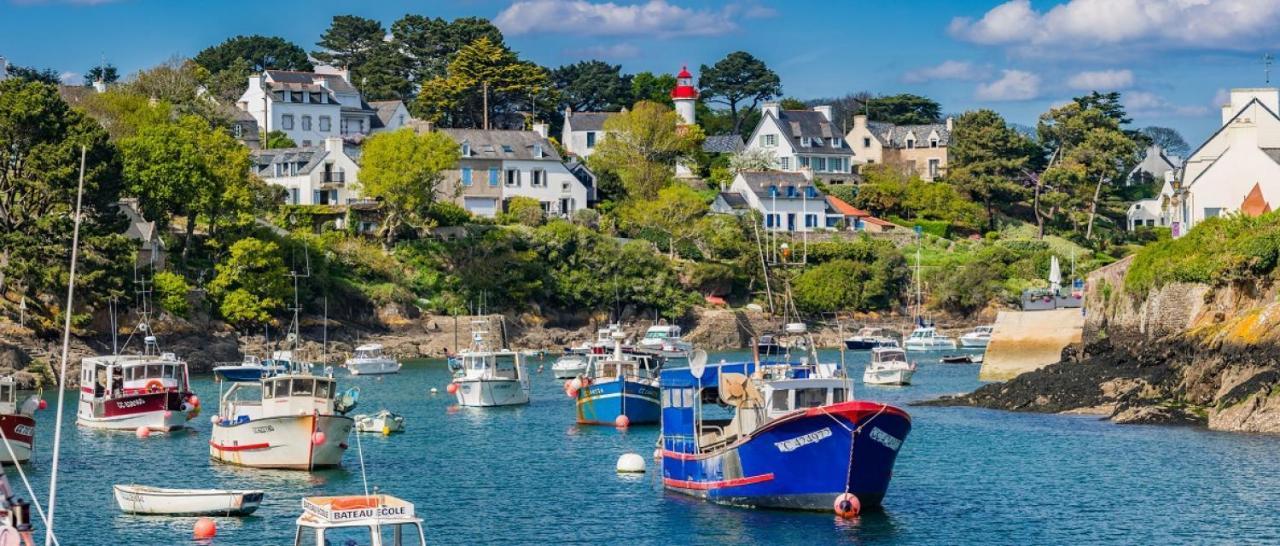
(916, 149)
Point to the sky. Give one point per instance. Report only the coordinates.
(1173, 60)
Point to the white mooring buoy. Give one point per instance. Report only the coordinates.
(631, 463)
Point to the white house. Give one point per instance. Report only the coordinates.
(314, 175)
(804, 140)
(1155, 211)
(497, 165)
(582, 131)
(1237, 170)
(308, 106)
(787, 201)
(1155, 163)
(392, 115)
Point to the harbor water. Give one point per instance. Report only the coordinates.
(529, 475)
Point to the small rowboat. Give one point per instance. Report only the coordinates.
(141, 499)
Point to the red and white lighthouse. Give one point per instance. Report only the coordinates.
(684, 95)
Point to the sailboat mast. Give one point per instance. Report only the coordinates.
(918, 293)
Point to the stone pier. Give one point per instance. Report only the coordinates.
(1022, 341)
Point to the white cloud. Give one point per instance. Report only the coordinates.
(1145, 104)
(651, 18)
(1102, 80)
(1012, 85)
(948, 70)
(1221, 97)
(614, 51)
(1241, 25)
(71, 78)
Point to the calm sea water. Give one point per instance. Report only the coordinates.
(528, 475)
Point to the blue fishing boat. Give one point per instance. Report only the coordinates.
(775, 435)
(624, 383)
(253, 368)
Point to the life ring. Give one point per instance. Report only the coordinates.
(155, 385)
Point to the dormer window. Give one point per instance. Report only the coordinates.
(791, 191)
(466, 149)
(817, 142)
(773, 191)
(911, 143)
(806, 142)
(506, 149)
(933, 143)
(837, 142)
(537, 151)
(811, 192)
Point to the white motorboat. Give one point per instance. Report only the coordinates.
(17, 422)
(927, 338)
(384, 422)
(369, 360)
(142, 499)
(665, 340)
(888, 366)
(376, 520)
(977, 338)
(569, 366)
(868, 338)
(486, 378)
(253, 368)
(292, 421)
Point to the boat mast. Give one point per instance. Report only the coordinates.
(918, 293)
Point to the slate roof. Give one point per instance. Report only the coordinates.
(759, 182)
(895, 136)
(799, 124)
(489, 144)
(723, 144)
(734, 200)
(290, 78)
(266, 159)
(386, 109)
(588, 121)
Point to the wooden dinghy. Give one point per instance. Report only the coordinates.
(141, 499)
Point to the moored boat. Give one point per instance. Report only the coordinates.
(125, 392)
(383, 422)
(487, 378)
(794, 440)
(370, 360)
(17, 422)
(290, 421)
(869, 338)
(569, 365)
(621, 384)
(253, 368)
(978, 337)
(142, 499)
(769, 345)
(376, 520)
(665, 340)
(927, 338)
(888, 366)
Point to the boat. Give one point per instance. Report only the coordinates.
(369, 360)
(789, 441)
(978, 337)
(375, 520)
(888, 366)
(665, 340)
(487, 378)
(125, 392)
(768, 345)
(927, 338)
(253, 368)
(622, 384)
(17, 422)
(569, 366)
(292, 421)
(384, 422)
(869, 338)
(961, 359)
(142, 499)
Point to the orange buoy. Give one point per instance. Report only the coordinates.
(847, 505)
(195, 400)
(571, 393)
(452, 388)
(142, 432)
(317, 438)
(205, 528)
(657, 453)
(622, 421)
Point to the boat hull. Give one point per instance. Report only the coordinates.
(974, 342)
(941, 344)
(282, 442)
(800, 461)
(601, 403)
(484, 393)
(568, 367)
(158, 411)
(186, 502)
(20, 430)
(373, 367)
(887, 377)
(242, 374)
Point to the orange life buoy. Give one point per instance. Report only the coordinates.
(154, 385)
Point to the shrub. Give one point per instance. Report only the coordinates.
(524, 210)
(445, 213)
(1216, 251)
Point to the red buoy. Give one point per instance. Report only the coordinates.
(195, 400)
(43, 404)
(571, 393)
(452, 388)
(622, 421)
(142, 432)
(847, 505)
(317, 438)
(205, 528)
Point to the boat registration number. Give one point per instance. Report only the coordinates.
(888, 440)
(787, 446)
(264, 429)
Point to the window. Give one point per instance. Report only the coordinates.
(466, 176)
(506, 149)
(785, 162)
(537, 151)
(325, 123)
(810, 398)
(466, 149)
(811, 220)
(286, 122)
(513, 178)
(933, 143)
(934, 166)
(306, 123)
(565, 187)
(781, 400)
(817, 142)
(591, 139)
(804, 161)
(297, 97)
(911, 143)
(769, 220)
(1212, 212)
(811, 192)
(306, 143)
(237, 130)
(293, 196)
(818, 163)
(773, 191)
(538, 178)
(493, 176)
(302, 387)
(806, 142)
(837, 142)
(770, 140)
(866, 142)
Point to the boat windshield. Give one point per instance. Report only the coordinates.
(657, 334)
(891, 356)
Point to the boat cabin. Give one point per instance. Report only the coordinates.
(121, 375)
(621, 365)
(661, 332)
(503, 365)
(888, 354)
(368, 352)
(290, 394)
(9, 398)
(373, 520)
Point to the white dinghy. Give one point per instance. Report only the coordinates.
(142, 499)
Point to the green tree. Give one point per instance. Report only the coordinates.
(737, 79)
(990, 161)
(479, 69)
(258, 52)
(402, 168)
(430, 44)
(592, 86)
(33, 74)
(106, 72)
(123, 113)
(524, 210)
(672, 217)
(846, 284)
(179, 83)
(1089, 153)
(643, 147)
(171, 291)
(902, 109)
(652, 87)
(792, 103)
(349, 41)
(385, 75)
(252, 283)
(279, 139)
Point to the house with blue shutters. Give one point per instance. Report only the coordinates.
(785, 201)
(497, 165)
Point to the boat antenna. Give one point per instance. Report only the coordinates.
(297, 308)
(115, 328)
(66, 348)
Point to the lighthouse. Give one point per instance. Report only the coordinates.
(684, 95)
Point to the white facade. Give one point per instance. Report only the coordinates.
(1242, 158)
(322, 175)
(560, 193)
(583, 131)
(497, 165)
(803, 140)
(308, 106)
(787, 202)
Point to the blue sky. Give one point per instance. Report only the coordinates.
(1172, 59)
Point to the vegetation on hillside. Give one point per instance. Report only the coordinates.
(1218, 251)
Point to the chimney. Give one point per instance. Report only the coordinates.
(769, 108)
(949, 124)
(859, 121)
(542, 129)
(825, 110)
(1227, 113)
(333, 144)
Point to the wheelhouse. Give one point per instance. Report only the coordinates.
(128, 375)
(278, 395)
(368, 352)
(374, 520)
(625, 366)
(888, 354)
(662, 332)
(488, 365)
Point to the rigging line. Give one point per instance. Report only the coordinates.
(66, 348)
(25, 483)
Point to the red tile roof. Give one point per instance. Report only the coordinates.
(1254, 204)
